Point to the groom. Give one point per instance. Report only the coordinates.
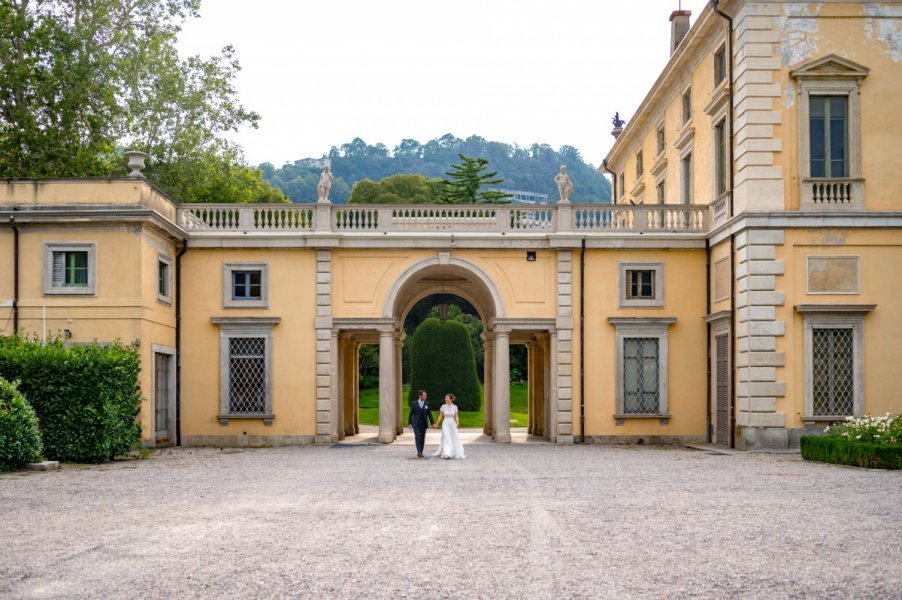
(420, 418)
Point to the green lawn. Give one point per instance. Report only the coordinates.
(369, 408)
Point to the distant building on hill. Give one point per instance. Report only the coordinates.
(521, 197)
(314, 163)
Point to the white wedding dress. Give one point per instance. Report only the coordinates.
(451, 446)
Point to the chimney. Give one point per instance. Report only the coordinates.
(679, 27)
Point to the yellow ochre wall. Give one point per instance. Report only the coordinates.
(880, 254)
(292, 297)
(684, 298)
(124, 305)
(845, 30)
(363, 279)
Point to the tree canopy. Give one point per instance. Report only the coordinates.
(80, 80)
(530, 169)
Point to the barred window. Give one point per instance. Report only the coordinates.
(247, 375)
(833, 373)
(246, 371)
(640, 376)
(834, 366)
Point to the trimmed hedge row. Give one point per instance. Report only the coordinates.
(86, 397)
(840, 451)
(442, 362)
(20, 438)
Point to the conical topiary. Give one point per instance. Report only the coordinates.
(442, 362)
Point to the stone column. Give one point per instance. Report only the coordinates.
(334, 398)
(400, 413)
(551, 416)
(341, 391)
(530, 388)
(539, 385)
(487, 371)
(501, 409)
(355, 358)
(386, 387)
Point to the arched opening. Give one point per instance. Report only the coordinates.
(446, 275)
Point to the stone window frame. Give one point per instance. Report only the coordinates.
(808, 291)
(728, 291)
(686, 106)
(230, 267)
(165, 298)
(830, 75)
(658, 278)
(650, 328)
(838, 316)
(245, 327)
(722, 52)
(47, 250)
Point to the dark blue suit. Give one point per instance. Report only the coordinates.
(420, 419)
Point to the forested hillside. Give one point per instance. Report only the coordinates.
(529, 169)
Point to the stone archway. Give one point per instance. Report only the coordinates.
(446, 274)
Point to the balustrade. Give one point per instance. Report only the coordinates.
(451, 218)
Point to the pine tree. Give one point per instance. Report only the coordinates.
(467, 179)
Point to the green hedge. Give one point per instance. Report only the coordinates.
(442, 362)
(840, 451)
(86, 397)
(20, 437)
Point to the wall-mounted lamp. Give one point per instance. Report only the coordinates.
(137, 342)
(67, 333)
(531, 256)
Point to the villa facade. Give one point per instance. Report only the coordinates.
(742, 289)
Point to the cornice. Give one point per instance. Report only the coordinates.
(81, 214)
(806, 220)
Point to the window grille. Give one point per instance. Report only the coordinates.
(246, 285)
(70, 268)
(828, 135)
(832, 371)
(640, 376)
(247, 375)
(161, 397)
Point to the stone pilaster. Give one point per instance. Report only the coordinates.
(487, 372)
(758, 177)
(501, 402)
(325, 351)
(563, 373)
(758, 387)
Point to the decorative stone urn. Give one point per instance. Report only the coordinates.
(135, 162)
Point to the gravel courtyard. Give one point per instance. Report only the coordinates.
(523, 520)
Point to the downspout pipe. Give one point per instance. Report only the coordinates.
(614, 196)
(729, 19)
(178, 342)
(582, 342)
(733, 341)
(12, 225)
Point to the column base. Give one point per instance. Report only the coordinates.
(502, 438)
(386, 438)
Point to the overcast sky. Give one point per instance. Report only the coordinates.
(515, 71)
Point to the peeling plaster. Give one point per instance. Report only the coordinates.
(883, 23)
(798, 43)
(789, 97)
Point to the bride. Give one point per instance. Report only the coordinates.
(451, 446)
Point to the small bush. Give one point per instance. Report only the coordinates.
(442, 362)
(86, 397)
(885, 430)
(841, 451)
(20, 437)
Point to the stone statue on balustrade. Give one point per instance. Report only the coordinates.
(564, 185)
(325, 184)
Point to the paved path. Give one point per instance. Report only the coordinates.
(525, 520)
